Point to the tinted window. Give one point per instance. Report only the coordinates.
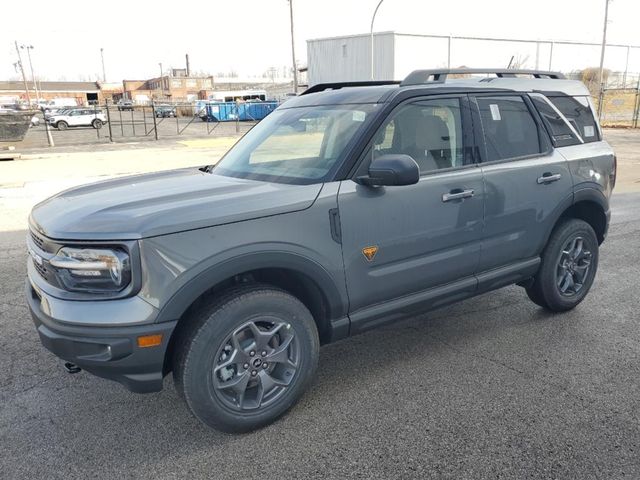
(579, 114)
(560, 132)
(429, 131)
(509, 129)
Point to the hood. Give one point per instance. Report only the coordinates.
(139, 206)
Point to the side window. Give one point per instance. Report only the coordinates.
(561, 134)
(509, 129)
(430, 131)
(578, 112)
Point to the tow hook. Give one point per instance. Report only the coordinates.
(72, 367)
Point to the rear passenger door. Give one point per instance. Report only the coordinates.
(527, 182)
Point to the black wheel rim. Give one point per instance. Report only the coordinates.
(573, 268)
(255, 364)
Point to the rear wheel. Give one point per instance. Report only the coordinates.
(568, 269)
(97, 124)
(62, 125)
(244, 359)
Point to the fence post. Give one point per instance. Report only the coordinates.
(144, 119)
(133, 122)
(177, 122)
(155, 123)
(95, 115)
(121, 124)
(636, 110)
(48, 131)
(106, 107)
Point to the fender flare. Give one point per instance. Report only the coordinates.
(213, 275)
(589, 194)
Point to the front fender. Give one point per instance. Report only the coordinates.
(219, 272)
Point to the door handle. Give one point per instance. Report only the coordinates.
(457, 195)
(548, 178)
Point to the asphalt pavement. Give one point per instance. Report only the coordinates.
(493, 387)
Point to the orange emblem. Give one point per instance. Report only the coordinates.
(369, 252)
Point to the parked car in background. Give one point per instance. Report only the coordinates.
(124, 105)
(51, 111)
(35, 121)
(79, 117)
(164, 111)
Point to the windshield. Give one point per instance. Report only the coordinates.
(296, 145)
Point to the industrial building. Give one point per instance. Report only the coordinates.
(395, 55)
(83, 93)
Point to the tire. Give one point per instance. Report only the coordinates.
(220, 371)
(97, 124)
(62, 125)
(568, 269)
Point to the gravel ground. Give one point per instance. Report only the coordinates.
(493, 387)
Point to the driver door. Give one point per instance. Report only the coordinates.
(409, 248)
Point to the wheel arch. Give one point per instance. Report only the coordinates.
(301, 277)
(591, 206)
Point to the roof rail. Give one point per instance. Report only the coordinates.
(320, 87)
(418, 77)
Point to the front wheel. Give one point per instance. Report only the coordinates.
(568, 269)
(61, 125)
(97, 124)
(244, 359)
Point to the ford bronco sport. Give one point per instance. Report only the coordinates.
(349, 206)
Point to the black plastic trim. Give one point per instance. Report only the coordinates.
(107, 352)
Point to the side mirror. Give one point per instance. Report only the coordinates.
(391, 170)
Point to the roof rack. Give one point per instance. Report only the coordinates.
(418, 77)
(320, 87)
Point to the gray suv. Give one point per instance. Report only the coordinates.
(350, 206)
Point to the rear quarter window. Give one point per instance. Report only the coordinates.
(560, 132)
(578, 112)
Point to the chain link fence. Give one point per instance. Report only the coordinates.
(125, 122)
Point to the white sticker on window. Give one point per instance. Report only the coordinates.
(495, 112)
(589, 131)
(358, 116)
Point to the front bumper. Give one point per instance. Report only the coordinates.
(106, 351)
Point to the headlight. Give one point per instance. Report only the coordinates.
(92, 269)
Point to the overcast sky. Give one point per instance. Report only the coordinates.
(249, 36)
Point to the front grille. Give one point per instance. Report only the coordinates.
(37, 240)
(42, 270)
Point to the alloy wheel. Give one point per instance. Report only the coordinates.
(573, 267)
(255, 364)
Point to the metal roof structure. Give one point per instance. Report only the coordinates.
(15, 86)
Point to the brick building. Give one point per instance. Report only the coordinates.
(166, 88)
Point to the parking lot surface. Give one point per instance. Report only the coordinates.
(493, 387)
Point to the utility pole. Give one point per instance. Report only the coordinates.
(372, 20)
(28, 48)
(24, 77)
(293, 51)
(604, 45)
(161, 80)
(104, 73)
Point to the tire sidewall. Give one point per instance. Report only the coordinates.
(196, 374)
